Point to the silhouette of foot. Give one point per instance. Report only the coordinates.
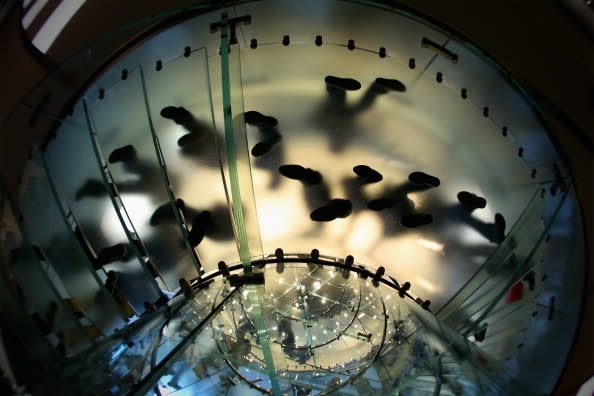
(199, 226)
(336, 208)
(266, 146)
(260, 120)
(499, 228)
(471, 201)
(164, 214)
(390, 84)
(416, 220)
(191, 139)
(381, 204)
(423, 179)
(111, 254)
(179, 115)
(304, 175)
(92, 188)
(346, 84)
(367, 174)
(122, 154)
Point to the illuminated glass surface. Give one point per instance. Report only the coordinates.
(217, 182)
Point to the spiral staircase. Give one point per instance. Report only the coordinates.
(282, 197)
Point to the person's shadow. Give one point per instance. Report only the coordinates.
(397, 207)
(269, 152)
(337, 118)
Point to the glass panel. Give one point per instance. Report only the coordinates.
(506, 105)
(70, 162)
(201, 369)
(126, 141)
(556, 307)
(30, 282)
(494, 275)
(236, 159)
(189, 240)
(56, 239)
(189, 149)
(386, 131)
(129, 355)
(194, 326)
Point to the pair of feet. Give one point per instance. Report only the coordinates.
(470, 202)
(165, 214)
(342, 208)
(183, 117)
(418, 179)
(380, 85)
(268, 126)
(311, 177)
(413, 220)
(336, 208)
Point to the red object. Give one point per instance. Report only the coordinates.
(515, 293)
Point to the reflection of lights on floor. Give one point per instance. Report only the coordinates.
(366, 231)
(431, 245)
(279, 217)
(416, 200)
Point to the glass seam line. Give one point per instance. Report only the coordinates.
(254, 298)
(237, 209)
(58, 203)
(528, 258)
(165, 176)
(99, 160)
(454, 303)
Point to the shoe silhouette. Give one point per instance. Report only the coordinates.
(499, 228)
(416, 220)
(336, 208)
(346, 84)
(164, 214)
(266, 146)
(367, 174)
(423, 179)
(190, 139)
(179, 115)
(199, 226)
(471, 201)
(122, 154)
(111, 254)
(304, 175)
(260, 120)
(390, 84)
